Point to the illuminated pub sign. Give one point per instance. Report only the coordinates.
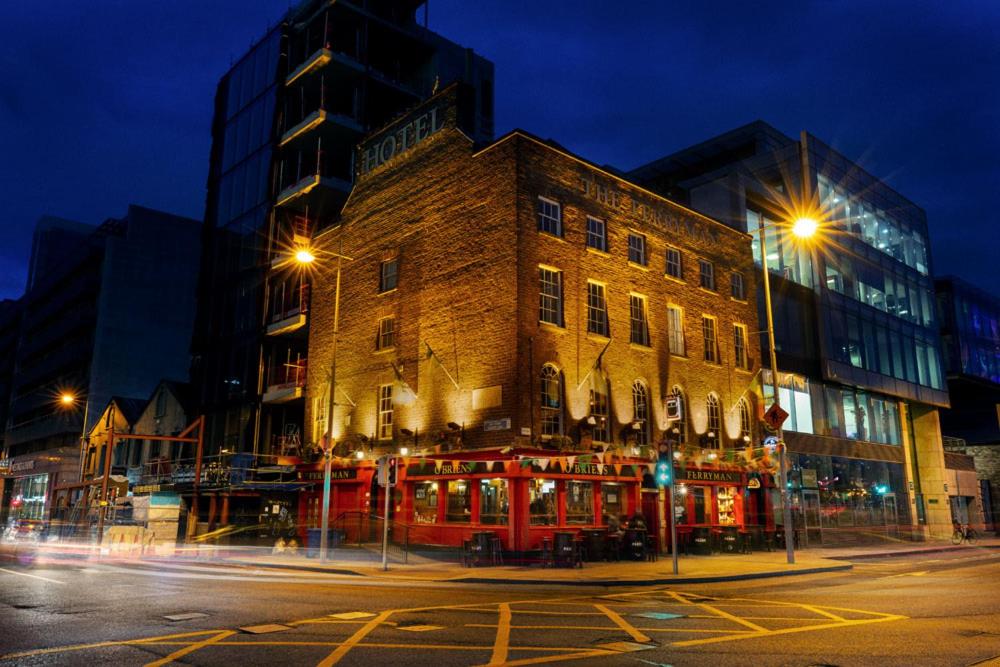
(341, 473)
(718, 476)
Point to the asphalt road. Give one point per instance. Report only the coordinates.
(935, 609)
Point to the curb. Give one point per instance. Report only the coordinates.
(303, 568)
(913, 552)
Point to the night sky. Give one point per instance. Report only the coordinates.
(104, 102)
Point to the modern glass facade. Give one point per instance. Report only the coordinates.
(970, 326)
(839, 492)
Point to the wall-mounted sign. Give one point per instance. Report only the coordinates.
(343, 473)
(401, 138)
(809, 478)
(753, 483)
(497, 424)
(21, 466)
(723, 476)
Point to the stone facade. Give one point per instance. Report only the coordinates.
(462, 224)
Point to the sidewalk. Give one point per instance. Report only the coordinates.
(692, 569)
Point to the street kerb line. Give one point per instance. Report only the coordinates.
(33, 576)
(354, 639)
(623, 624)
(502, 641)
(191, 648)
(722, 614)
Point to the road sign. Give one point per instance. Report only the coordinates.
(673, 407)
(775, 416)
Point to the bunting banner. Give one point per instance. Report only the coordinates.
(570, 460)
(437, 465)
(543, 464)
(618, 469)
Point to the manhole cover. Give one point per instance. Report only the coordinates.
(264, 629)
(186, 617)
(659, 615)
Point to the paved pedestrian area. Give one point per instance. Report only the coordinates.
(526, 631)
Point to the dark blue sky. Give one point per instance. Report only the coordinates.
(107, 102)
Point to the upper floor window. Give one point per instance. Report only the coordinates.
(637, 249)
(640, 413)
(714, 413)
(746, 423)
(599, 414)
(681, 424)
(711, 348)
(388, 276)
(385, 412)
(386, 337)
(706, 274)
(637, 315)
(551, 400)
(597, 234)
(597, 309)
(736, 287)
(674, 268)
(550, 307)
(740, 355)
(549, 217)
(675, 329)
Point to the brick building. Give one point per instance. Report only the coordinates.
(512, 313)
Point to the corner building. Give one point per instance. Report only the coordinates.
(514, 317)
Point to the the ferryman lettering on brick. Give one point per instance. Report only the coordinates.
(384, 148)
(730, 477)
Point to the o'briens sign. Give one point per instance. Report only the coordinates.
(383, 148)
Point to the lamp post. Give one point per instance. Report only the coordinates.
(305, 257)
(803, 227)
(67, 399)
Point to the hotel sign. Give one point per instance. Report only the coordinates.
(384, 147)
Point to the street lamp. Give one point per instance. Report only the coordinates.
(305, 257)
(803, 227)
(67, 400)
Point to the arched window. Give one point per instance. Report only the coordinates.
(600, 416)
(681, 424)
(714, 421)
(746, 425)
(551, 400)
(640, 412)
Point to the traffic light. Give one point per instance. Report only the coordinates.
(392, 471)
(881, 489)
(664, 476)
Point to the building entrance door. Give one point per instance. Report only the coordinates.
(813, 530)
(891, 514)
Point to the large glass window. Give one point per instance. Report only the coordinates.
(579, 502)
(597, 309)
(550, 297)
(493, 502)
(612, 501)
(551, 400)
(459, 508)
(425, 502)
(542, 502)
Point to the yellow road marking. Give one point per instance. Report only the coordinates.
(191, 648)
(82, 647)
(721, 613)
(785, 631)
(502, 641)
(907, 574)
(344, 648)
(592, 653)
(822, 612)
(597, 627)
(622, 623)
(33, 576)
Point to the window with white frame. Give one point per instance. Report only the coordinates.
(597, 309)
(746, 424)
(706, 274)
(599, 414)
(550, 308)
(711, 344)
(674, 268)
(714, 434)
(740, 355)
(597, 234)
(386, 337)
(637, 249)
(388, 276)
(320, 405)
(385, 412)
(551, 400)
(736, 286)
(640, 413)
(675, 329)
(549, 217)
(682, 423)
(640, 324)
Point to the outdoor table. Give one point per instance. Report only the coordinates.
(566, 548)
(597, 543)
(730, 539)
(701, 540)
(635, 543)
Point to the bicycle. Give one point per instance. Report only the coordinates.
(964, 533)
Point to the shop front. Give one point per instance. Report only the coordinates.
(351, 497)
(718, 510)
(523, 497)
(28, 482)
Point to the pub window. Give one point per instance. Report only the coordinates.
(640, 413)
(425, 502)
(675, 329)
(682, 423)
(386, 337)
(637, 315)
(736, 286)
(459, 508)
(706, 274)
(388, 276)
(714, 421)
(599, 414)
(597, 309)
(579, 502)
(674, 268)
(549, 217)
(742, 360)
(637, 249)
(711, 346)
(550, 296)
(612, 500)
(493, 503)
(551, 400)
(699, 494)
(542, 502)
(385, 412)
(597, 234)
